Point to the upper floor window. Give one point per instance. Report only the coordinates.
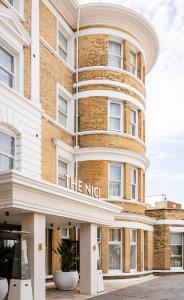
(62, 171)
(15, 4)
(6, 67)
(133, 183)
(115, 56)
(63, 46)
(133, 62)
(115, 116)
(115, 180)
(62, 111)
(133, 121)
(7, 151)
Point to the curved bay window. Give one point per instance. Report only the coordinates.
(133, 250)
(7, 151)
(115, 249)
(176, 249)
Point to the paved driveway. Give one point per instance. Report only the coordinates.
(163, 288)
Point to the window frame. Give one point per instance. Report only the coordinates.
(121, 181)
(15, 146)
(62, 92)
(60, 45)
(115, 117)
(133, 244)
(112, 40)
(18, 11)
(61, 112)
(119, 243)
(67, 236)
(58, 176)
(132, 51)
(175, 256)
(69, 35)
(134, 184)
(8, 72)
(132, 123)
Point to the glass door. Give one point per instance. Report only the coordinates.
(115, 250)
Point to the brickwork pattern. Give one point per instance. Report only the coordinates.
(161, 253)
(111, 75)
(93, 50)
(54, 70)
(48, 25)
(50, 132)
(111, 141)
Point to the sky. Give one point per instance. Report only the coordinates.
(165, 97)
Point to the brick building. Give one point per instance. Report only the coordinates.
(72, 138)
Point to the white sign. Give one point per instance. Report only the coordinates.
(82, 187)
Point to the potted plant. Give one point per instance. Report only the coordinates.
(67, 278)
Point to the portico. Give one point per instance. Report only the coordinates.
(34, 204)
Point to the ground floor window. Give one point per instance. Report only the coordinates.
(133, 249)
(176, 249)
(115, 249)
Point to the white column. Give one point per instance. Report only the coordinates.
(35, 53)
(88, 259)
(35, 224)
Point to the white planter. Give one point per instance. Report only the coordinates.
(65, 281)
(3, 288)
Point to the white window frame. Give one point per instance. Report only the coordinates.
(134, 124)
(11, 134)
(133, 244)
(9, 72)
(121, 115)
(61, 91)
(113, 40)
(177, 268)
(18, 11)
(136, 185)
(66, 31)
(121, 254)
(132, 51)
(58, 176)
(121, 189)
(65, 237)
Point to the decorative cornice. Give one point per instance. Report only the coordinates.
(111, 83)
(108, 68)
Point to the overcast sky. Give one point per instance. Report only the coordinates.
(165, 97)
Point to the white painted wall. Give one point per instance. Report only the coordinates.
(24, 118)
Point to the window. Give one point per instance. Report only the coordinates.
(176, 250)
(99, 248)
(115, 181)
(62, 45)
(114, 54)
(133, 62)
(62, 171)
(64, 233)
(133, 249)
(6, 67)
(15, 4)
(62, 111)
(133, 122)
(7, 151)
(115, 246)
(133, 180)
(115, 116)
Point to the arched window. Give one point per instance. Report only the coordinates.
(7, 150)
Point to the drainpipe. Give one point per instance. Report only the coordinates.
(77, 93)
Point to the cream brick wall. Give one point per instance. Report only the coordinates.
(110, 141)
(148, 250)
(48, 25)
(93, 50)
(53, 71)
